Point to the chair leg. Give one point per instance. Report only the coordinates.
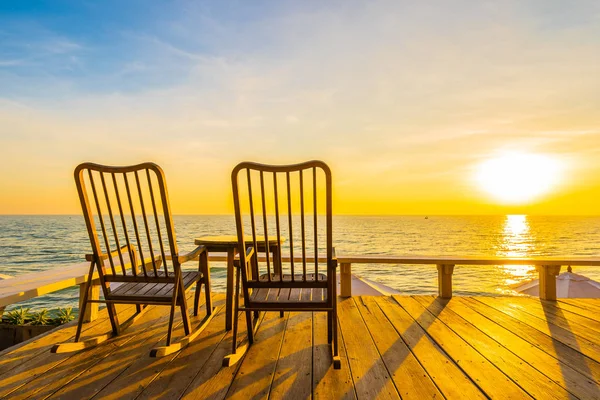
(329, 326)
(207, 289)
(337, 363)
(236, 353)
(197, 298)
(281, 314)
(250, 326)
(187, 325)
(114, 320)
(172, 313)
(81, 311)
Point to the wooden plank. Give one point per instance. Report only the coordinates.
(293, 374)
(555, 348)
(585, 316)
(561, 373)
(273, 294)
(409, 377)
(213, 381)
(482, 372)
(253, 379)
(446, 375)
(579, 326)
(526, 376)
(565, 336)
(26, 363)
(371, 377)
(306, 294)
(56, 378)
(329, 383)
(284, 295)
(134, 378)
(586, 312)
(586, 304)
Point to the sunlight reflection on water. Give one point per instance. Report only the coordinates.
(517, 242)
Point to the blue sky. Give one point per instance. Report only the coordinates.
(410, 92)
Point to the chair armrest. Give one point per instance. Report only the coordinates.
(90, 257)
(249, 254)
(192, 255)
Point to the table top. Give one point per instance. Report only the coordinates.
(231, 240)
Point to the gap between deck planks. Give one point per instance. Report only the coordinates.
(391, 347)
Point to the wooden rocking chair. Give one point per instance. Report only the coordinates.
(305, 283)
(130, 205)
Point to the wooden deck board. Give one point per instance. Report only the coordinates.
(447, 376)
(408, 347)
(484, 373)
(559, 372)
(550, 345)
(565, 336)
(369, 373)
(410, 378)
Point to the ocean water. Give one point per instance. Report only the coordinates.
(38, 243)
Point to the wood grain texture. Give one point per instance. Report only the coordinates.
(408, 347)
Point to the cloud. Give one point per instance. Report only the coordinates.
(406, 91)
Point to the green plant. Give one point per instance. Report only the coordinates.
(65, 315)
(17, 316)
(40, 318)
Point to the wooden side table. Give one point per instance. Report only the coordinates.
(229, 245)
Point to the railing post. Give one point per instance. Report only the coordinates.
(91, 310)
(345, 280)
(445, 272)
(548, 275)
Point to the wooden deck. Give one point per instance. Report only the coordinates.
(392, 347)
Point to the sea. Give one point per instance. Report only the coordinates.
(39, 243)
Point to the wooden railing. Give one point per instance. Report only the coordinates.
(27, 286)
(547, 267)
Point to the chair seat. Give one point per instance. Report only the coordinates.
(297, 277)
(290, 295)
(152, 291)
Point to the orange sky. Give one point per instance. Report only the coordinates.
(404, 101)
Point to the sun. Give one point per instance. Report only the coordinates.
(518, 178)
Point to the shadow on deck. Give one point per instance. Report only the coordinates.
(391, 347)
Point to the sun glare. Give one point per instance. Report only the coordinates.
(518, 178)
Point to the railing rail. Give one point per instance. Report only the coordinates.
(27, 286)
(547, 267)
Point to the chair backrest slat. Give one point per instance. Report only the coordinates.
(265, 229)
(278, 227)
(315, 225)
(135, 224)
(112, 222)
(299, 204)
(303, 230)
(252, 221)
(115, 227)
(145, 219)
(290, 226)
(101, 219)
(158, 231)
(123, 223)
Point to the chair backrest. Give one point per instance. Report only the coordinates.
(285, 202)
(127, 212)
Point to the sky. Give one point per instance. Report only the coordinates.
(404, 100)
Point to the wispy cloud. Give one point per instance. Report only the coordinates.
(397, 90)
